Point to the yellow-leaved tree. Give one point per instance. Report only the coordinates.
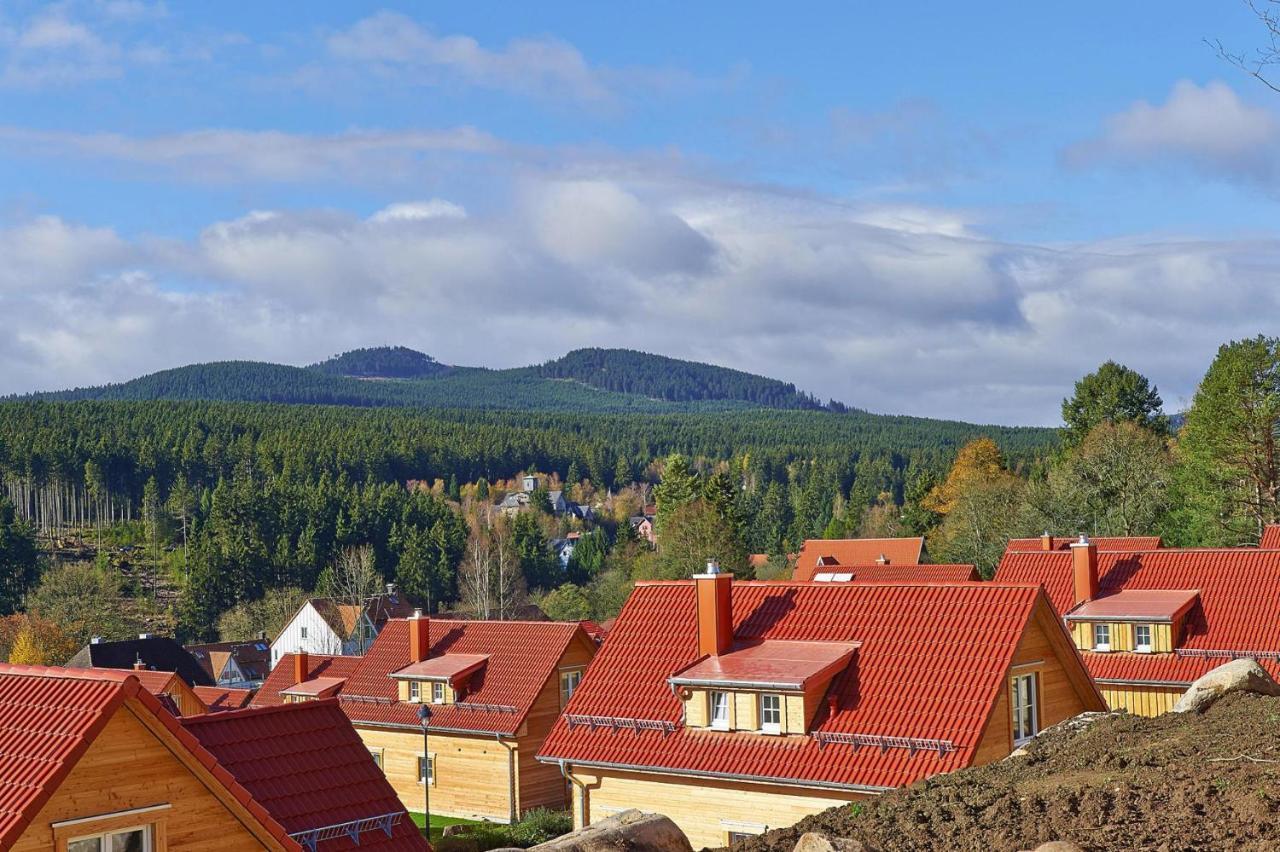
(980, 503)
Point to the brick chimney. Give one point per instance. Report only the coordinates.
(1084, 564)
(1046, 541)
(419, 636)
(715, 610)
(301, 666)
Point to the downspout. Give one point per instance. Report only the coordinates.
(511, 776)
(584, 799)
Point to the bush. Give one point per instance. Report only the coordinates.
(540, 825)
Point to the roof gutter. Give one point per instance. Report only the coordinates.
(1180, 684)
(793, 686)
(725, 776)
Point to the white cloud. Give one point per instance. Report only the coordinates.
(1208, 128)
(545, 66)
(894, 309)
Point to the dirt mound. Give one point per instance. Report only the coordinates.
(1170, 783)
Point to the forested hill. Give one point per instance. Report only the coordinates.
(382, 362)
(659, 377)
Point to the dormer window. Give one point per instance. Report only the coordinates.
(1102, 637)
(771, 713)
(1142, 638)
(415, 692)
(719, 711)
(437, 693)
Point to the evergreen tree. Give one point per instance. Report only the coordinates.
(540, 567)
(622, 473)
(679, 487)
(19, 564)
(1112, 393)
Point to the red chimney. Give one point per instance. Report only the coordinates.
(1046, 541)
(419, 636)
(300, 666)
(1084, 563)
(715, 611)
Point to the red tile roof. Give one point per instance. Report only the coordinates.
(855, 551)
(452, 668)
(49, 717)
(780, 663)
(896, 574)
(1063, 542)
(1238, 608)
(316, 687)
(522, 655)
(218, 699)
(931, 663)
(1146, 604)
(1270, 537)
(308, 767)
(281, 677)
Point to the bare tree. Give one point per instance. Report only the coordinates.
(475, 574)
(1261, 61)
(353, 581)
(508, 579)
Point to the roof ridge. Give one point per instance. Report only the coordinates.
(64, 673)
(240, 712)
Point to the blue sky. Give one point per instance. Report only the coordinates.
(928, 208)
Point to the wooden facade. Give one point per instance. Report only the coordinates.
(1141, 699)
(1121, 633)
(135, 774)
(477, 775)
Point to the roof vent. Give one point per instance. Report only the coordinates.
(144, 636)
(713, 567)
(96, 640)
(391, 590)
(417, 613)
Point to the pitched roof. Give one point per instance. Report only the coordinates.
(50, 716)
(308, 767)
(252, 656)
(1128, 604)
(281, 677)
(1270, 537)
(1063, 542)
(785, 664)
(159, 653)
(931, 662)
(218, 699)
(343, 617)
(1238, 608)
(522, 655)
(896, 574)
(818, 552)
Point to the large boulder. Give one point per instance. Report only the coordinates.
(1235, 676)
(629, 831)
(812, 841)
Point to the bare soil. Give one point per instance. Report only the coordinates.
(1170, 783)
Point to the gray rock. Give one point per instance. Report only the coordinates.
(1235, 676)
(629, 831)
(454, 830)
(814, 842)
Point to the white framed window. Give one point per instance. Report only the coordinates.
(738, 836)
(1142, 638)
(568, 683)
(1102, 637)
(1026, 709)
(719, 710)
(427, 770)
(771, 713)
(437, 693)
(376, 754)
(135, 839)
(415, 692)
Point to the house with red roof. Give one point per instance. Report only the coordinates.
(218, 699)
(1062, 543)
(493, 690)
(889, 573)
(734, 707)
(828, 555)
(1150, 622)
(308, 768)
(91, 761)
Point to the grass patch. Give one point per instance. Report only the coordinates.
(439, 822)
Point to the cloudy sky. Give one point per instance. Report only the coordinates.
(924, 208)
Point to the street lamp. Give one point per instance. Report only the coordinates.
(424, 716)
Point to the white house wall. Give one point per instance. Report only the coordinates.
(320, 637)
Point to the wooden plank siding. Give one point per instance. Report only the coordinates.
(1122, 636)
(128, 767)
(705, 809)
(1141, 700)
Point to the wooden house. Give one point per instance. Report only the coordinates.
(735, 707)
(494, 689)
(91, 762)
(823, 555)
(237, 665)
(1149, 622)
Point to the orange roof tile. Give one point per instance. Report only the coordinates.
(1270, 537)
(1063, 542)
(818, 553)
(218, 699)
(281, 677)
(1238, 609)
(896, 574)
(931, 662)
(308, 767)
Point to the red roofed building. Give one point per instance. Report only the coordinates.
(1150, 622)
(827, 554)
(1063, 543)
(307, 766)
(733, 707)
(217, 699)
(1270, 537)
(89, 761)
(494, 689)
(896, 574)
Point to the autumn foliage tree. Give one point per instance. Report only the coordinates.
(979, 502)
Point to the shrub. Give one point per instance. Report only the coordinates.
(540, 825)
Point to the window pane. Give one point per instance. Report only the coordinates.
(129, 841)
(89, 844)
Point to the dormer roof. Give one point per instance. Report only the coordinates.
(446, 668)
(1154, 605)
(777, 664)
(316, 687)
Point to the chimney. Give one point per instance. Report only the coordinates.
(144, 635)
(138, 665)
(715, 610)
(1084, 563)
(1046, 541)
(300, 666)
(419, 637)
(96, 640)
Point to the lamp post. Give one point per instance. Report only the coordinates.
(424, 716)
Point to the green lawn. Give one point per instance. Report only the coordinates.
(439, 822)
